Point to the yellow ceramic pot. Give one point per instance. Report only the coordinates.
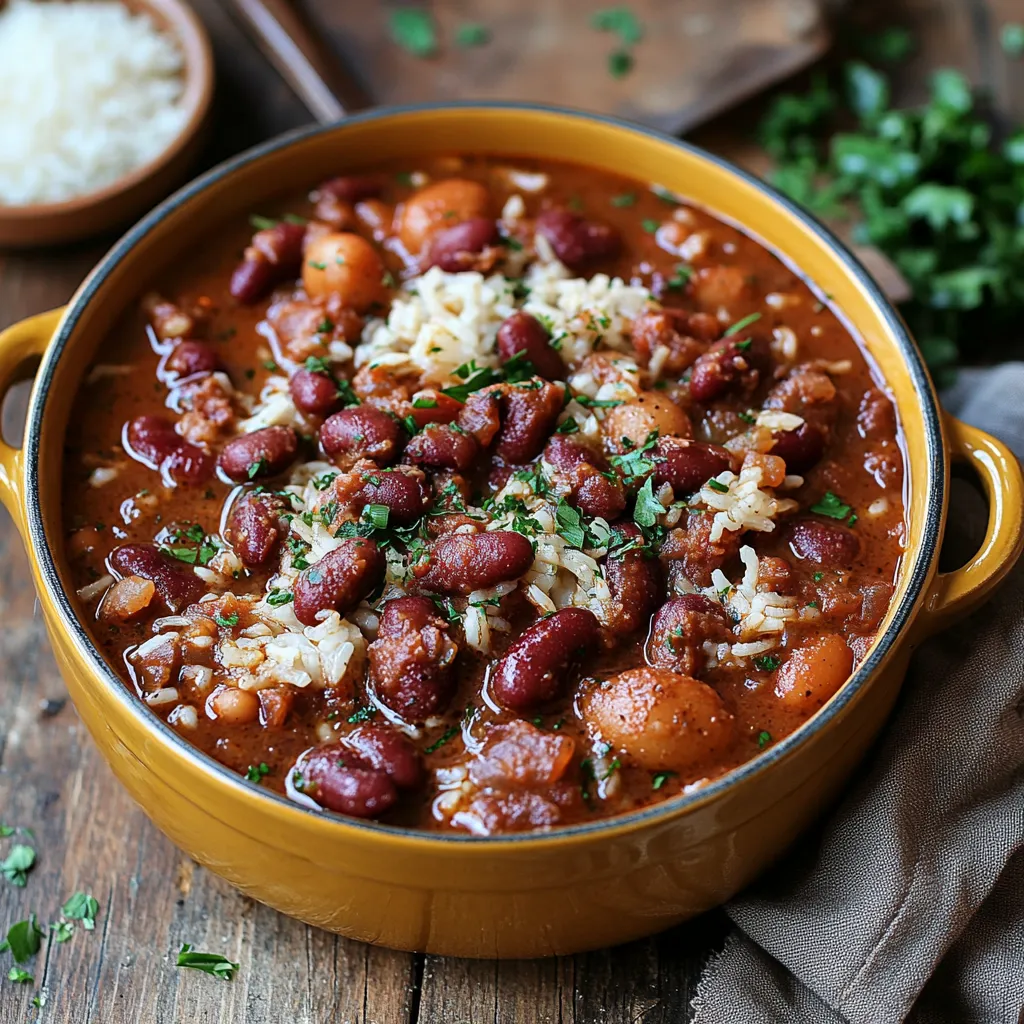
(531, 895)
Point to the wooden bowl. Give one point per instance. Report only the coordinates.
(122, 201)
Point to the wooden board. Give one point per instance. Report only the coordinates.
(696, 58)
(90, 836)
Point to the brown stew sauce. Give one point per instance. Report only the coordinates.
(588, 750)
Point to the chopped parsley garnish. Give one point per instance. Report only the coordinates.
(519, 368)
(767, 662)
(747, 417)
(211, 963)
(261, 223)
(569, 524)
(635, 463)
(317, 364)
(256, 468)
(567, 426)
(650, 225)
(818, 577)
(681, 278)
(17, 864)
(717, 485)
(626, 199)
(324, 327)
(363, 714)
(475, 378)
(832, 507)
(599, 403)
(318, 264)
(659, 779)
(741, 325)
(270, 365)
(227, 621)
(666, 195)
(449, 733)
(763, 739)
(278, 597)
(202, 554)
(82, 907)
(377, 515)
(323, 481)
(647, 507)
(256, 772)
(424, 402)
(347, 395)
(470, 34)
(23, 939)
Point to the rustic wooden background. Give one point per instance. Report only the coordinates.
(89, 836)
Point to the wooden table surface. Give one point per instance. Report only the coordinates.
(89, 836)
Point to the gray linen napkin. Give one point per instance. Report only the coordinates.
(908, 902)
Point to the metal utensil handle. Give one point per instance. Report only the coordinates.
(301, 57)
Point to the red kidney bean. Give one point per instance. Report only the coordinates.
(339, 580)
(387, 750)
(254, 528)
(342, 781)
(263, 453)
(576, 241)
(403, 489)
(800, 449)
(443, 446)
(687, 465)
(583, 469)
(314, 393)
(153, 441)
(528, 415)
(729, 364)
(827, 544)
(634, 579)
(455, 249)
(460, 563)
(176, 584)
(187, 359)
(535, 668)
(524, 333)
(412, 661)
(363, 432)
(680, 629)
(273, 256)
(351, 188)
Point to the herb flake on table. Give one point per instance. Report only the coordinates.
(414, 30)
(210, 963)
(17, 864)
(470, 34)
(620, 21)
(1011, 39)
(82, 907)
(23, 939)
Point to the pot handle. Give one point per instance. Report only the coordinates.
(18, 344)
(954, 594)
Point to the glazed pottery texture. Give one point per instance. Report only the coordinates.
(514, 896)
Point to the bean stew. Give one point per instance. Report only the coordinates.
(483, 495)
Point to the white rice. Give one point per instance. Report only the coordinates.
(442, 320)
(742, 505)
(88, 93)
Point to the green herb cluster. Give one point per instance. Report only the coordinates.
(937, 189)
